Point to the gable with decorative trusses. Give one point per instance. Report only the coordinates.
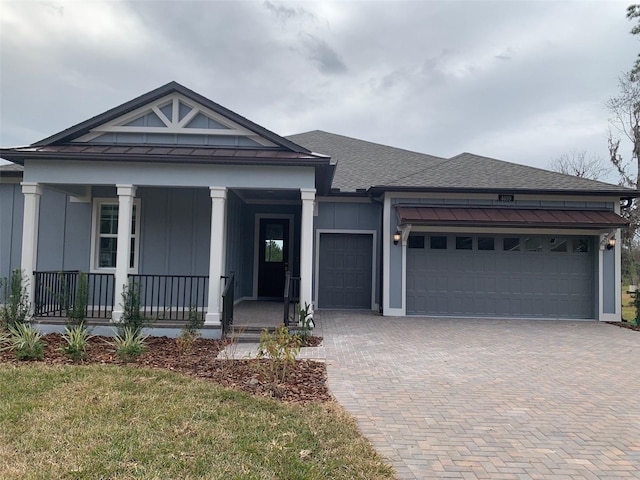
(174, 120)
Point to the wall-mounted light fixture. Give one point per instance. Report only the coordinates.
(396, 237)
(611, 243)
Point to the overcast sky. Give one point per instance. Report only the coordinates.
(518, 81)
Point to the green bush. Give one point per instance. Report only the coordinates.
(77, 312)
(129, 344)
(279, 349)
(15, 308)
(77, 339)
(190, 332)
(306, 321)
(24, 340)
(132, 317)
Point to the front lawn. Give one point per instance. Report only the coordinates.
(96, 421)
(628, 310)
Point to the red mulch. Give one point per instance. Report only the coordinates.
(630, 326)
(307, 381)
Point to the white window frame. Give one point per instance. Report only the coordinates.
(95, 235)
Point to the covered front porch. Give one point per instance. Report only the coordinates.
(167, 302)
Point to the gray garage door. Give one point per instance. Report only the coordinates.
(502, 276)
(345, 270)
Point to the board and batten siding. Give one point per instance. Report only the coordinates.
(175, 227)
(11, 208)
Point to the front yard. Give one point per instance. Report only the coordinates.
(108, 421)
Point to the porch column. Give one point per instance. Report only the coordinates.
(123, 253)
(308, 196)
(32, 192)
(216, 254)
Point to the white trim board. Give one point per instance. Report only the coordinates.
(256, 243)
(316, 275)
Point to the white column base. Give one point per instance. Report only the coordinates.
(213, 319)
(116, 316)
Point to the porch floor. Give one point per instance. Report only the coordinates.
(253, 313)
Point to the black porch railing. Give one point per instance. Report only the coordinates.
(56, 292)
(291, 295)
(227, 304)
(171, 297)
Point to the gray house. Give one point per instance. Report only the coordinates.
(190, 199)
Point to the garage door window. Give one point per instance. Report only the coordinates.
(558, 244)
(486, 243)
(416, 241)
(533, 244)
(511, 244)
(464, 243)
(580, 245)
(438, 243)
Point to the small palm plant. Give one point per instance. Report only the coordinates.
(77, 339)
(24, 340)
(129, 344)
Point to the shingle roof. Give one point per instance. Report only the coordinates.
(363, 164)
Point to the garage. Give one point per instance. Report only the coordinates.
(525, 276)
(345, 270)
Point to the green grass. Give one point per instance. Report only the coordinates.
(89, 422)
(628, 310)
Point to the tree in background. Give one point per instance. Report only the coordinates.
(633, 13)
(624, 122)
(578, 164)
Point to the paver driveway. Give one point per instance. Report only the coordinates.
(490, 398)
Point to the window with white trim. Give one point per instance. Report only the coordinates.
(104, 241)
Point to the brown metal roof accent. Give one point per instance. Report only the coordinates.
(509, 217)
(161, 153)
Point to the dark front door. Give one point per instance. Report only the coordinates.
(273, 256)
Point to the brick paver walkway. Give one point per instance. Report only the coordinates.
(490, 398)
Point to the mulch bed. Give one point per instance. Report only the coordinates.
(307, 381)
(311, 341)
(630, 326)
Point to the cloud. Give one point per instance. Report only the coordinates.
(438, 77)
(284, 13)
(326, 58)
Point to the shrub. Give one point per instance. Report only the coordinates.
(306, 321)
(195, 320)
(15, 308)
(24, 340)
(77, 339)
(78, 311)
(132, 317)
(190, 332)
(279, 349)
(129, 344)
(636, 304)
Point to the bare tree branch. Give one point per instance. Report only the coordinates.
(577, 163)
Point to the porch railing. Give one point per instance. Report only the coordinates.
(227, 304)
(171, 297)
(291, 295)
(55, 293)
